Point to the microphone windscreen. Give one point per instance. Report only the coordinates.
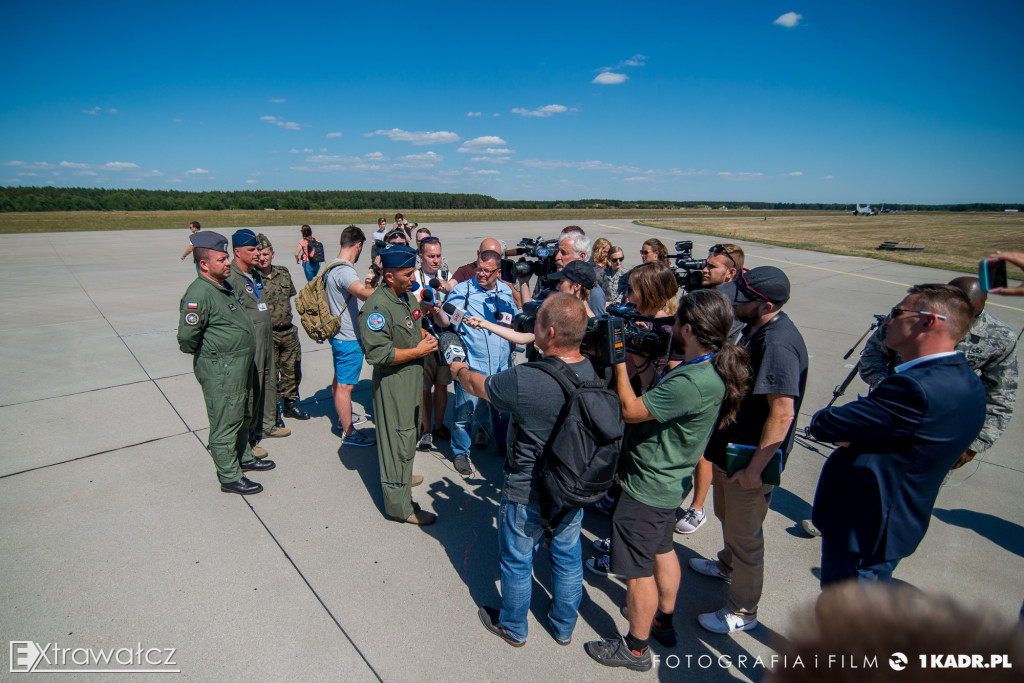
(415, 286)
(449, 308)
(434, 282)
(427, 295)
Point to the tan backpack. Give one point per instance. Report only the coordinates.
(314, 310)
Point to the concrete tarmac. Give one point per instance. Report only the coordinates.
(116, 533)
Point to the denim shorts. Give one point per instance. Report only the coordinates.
(348, 360)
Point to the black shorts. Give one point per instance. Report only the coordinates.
(639, 533)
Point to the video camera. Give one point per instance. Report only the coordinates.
(609, 337)
(534, 248)
(688, 270)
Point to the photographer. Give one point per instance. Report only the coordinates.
(670, 426)
(534, 400)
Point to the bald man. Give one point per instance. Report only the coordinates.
(468, 271)
(991, 350)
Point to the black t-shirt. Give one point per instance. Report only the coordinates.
(534, 399)
(778, 361)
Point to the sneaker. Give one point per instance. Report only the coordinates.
(708, 568)
(358, 438)
(602, 566)
(614, 652)
(480, 438)
(724, 621)
(603, 545)
(691, 520)
(442, 432)
(416, 480)
(489, 618)
(665, 636)
(605, 505)
(358, 419)
(426, 442)
(463, 466)
(809, 528)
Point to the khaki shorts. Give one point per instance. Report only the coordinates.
(434, 372)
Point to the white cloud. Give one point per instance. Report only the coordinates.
(544, 111)
(422, 137)
(473, 113)
(32, 166)
(741, 175)
(112, 111)
(197, 171)
(333, 135)
(120, 166)
(796, 173)
(290, 125)
(176, 120)
(71, 164)
(590, 165)
(491, 160)
(276, 100)
(487, 144)
(92, 112)
(827, 177)
(636, 179)
(635, 60)
(486, 172)
(789, 19)
(375, 156)
(86, 173)
(429, 156)
(609, 78)
(250, 181)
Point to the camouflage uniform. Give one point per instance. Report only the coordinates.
(278, 290)
(991, 350)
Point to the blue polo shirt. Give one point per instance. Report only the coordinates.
(486, 353)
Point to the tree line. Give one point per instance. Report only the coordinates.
(101, 199)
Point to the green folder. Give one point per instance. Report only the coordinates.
(737, 457)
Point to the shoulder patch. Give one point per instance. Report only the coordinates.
(191, 305)
(248, 288)
(375, 321)
(191, 318)
(408, 322)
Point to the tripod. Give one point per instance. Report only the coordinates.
(841, 388)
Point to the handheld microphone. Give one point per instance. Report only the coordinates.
(454, 311)
(450, 346)
(415, 286)
(427, 296)
(434, 283)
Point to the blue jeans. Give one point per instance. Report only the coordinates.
(310, 269)
(839, 564)
(519, 538)
(467, 408)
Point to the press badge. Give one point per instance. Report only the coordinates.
(261, 306)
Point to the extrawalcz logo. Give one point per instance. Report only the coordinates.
(29, 657)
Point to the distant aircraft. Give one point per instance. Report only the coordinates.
(864, 211)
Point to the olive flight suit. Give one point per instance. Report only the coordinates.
(250, 290)
(388, 322)
(287, 351)
(214, 328)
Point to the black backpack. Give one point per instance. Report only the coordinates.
(315, 250)
(581, 457)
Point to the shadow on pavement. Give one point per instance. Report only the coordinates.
(1005, 534)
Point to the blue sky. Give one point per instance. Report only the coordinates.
(805, 101)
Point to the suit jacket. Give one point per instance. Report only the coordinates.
(876, 496)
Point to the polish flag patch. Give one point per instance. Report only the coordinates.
(192, 305)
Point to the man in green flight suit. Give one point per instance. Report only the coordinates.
(247, 281)
(214, 328)
(394, 343)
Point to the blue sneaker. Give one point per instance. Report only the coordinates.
(358, 438)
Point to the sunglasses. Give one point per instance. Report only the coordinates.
(617, 260)
(719, 249)
(896, 310)
(430, 239)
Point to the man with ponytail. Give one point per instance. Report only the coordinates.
(669, 428)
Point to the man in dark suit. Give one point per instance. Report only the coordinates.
(877, 490)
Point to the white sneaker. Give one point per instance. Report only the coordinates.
(724, 621)
(691, 520)
(708, 568)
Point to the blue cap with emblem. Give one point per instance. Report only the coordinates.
(397, 256)
(244, 238)
(207, 239)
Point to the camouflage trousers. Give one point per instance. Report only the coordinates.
(288, 361)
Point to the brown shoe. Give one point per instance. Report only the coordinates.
(277, 432)
(421, 518)
(417, 479)
(259, 451)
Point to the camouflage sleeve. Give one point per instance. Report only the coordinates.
(191, 321)
(999, 375)
(876, 360)
(291, 285)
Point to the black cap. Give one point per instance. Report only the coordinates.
(578, 271)
(764, 283)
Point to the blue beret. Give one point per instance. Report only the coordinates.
(244, 238)
(205, 239)
(397, 256)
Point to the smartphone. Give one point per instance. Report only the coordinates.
(992, 273)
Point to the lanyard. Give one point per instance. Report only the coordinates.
(256, 286)
(698, 359)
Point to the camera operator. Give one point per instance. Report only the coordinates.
(534, 400)
(724, 264)
(669, 427)
(485, 297)
(652, 288)
(573, 245)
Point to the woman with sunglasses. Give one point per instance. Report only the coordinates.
(616, 276)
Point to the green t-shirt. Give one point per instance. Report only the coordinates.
(660, 454)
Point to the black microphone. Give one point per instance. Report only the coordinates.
(427, 296)
(454, 311)
(450, 346)
(435, 283)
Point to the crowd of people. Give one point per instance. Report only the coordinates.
(714, 412)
